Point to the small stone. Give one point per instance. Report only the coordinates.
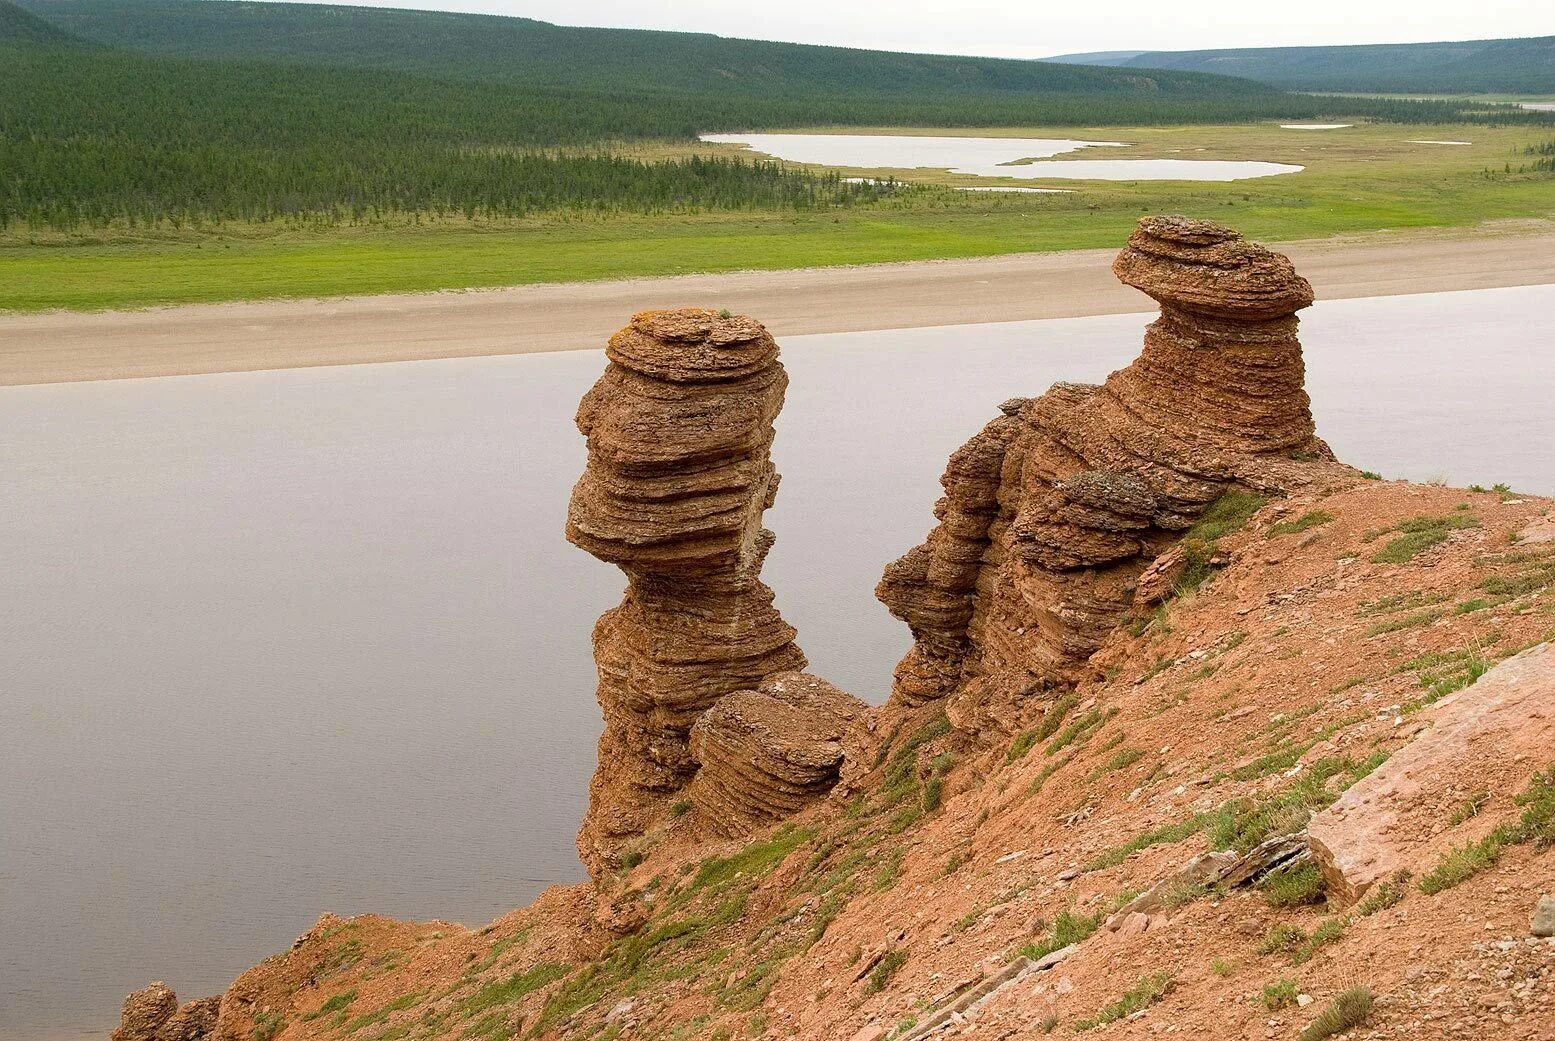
(1134, 924)
(1543, 923)
(1303, 1000)
(870, 1032)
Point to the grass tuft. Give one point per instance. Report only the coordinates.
(1279, 994)
(1315, 518)
(1536, 826)
(1298, 886)
(1137, 998)
(880, 975)
(1350, 1009)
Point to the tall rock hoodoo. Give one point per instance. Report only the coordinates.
(679, 435)
(1055, 508)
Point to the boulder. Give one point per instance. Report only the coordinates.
(192, 1022)
(1543, 923)
(764, 754)
(1493, 735)
(144, 1013)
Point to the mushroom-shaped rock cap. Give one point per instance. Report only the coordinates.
(1208, 268)
(693, 345)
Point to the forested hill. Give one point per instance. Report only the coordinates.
(19, 26)
(1520, 66)
(534, 53)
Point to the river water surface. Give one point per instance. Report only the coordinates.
(285, 642)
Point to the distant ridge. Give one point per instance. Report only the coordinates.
(1095, 57)
(1515, 66)
(534, 53)
(20, 26)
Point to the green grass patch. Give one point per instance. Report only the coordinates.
(1311, 519)
(1328, 932)
(515, 988)
(1536, 825)
(1410, 621)
(1078, 732)
(1167, 834)
(383, 1012)
(1243, 823)
(1120, 760)
(755, 861)
(1418, 535)
(1279, 994)
(1282, 939)
(888, 966)
(1141, 996)
(338, 1003)
(1383, 895)
(1225, 515)
(1068, 928)
(1297, 886)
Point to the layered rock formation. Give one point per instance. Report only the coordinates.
(1052, 512)
(153, 1014)
(765, 753)
(679, 433)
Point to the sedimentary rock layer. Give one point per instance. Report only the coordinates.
(765, 753)
(153, 1014)
(1490, 737)
(1055, 508)
(679, 433)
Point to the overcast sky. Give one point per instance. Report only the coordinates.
(1034, 28)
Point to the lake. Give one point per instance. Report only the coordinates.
(286, 642)
(1020, 157)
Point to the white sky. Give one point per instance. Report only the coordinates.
(1034, 28)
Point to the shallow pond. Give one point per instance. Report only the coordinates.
(990, 157)
(286, 642)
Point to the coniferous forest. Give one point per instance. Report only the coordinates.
(93, 132)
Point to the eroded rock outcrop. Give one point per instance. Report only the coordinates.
(765, 753)
(1052, 512)
(153, 1014)
(1490, 737)
(679, 434)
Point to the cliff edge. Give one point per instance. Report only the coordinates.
(1203, 733)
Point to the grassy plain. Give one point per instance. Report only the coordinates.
(1364, 178)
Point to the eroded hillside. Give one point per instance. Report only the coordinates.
(1203, 733)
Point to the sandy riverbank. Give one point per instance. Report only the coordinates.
(63, 346)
